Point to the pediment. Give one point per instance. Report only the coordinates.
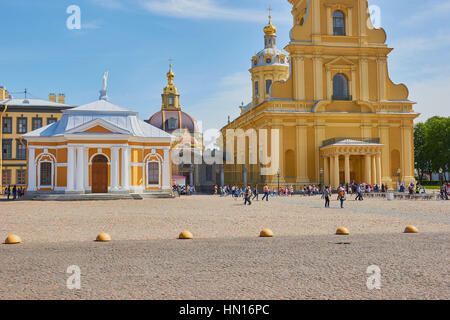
(340, 62)
(98, 126)
(98, 129)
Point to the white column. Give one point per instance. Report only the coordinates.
(126, 169)
(80, 169)
(115, 169)
(379, 169)
(336, 172)
(347, 169)
(86, 169)
(70, 169)
(166, 170)
(31, 170)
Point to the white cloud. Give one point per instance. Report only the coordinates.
(214, 110)
(415, 45)
(111, 4)
(91, 25)
(432, 11)
(432, 97)
(204, 10)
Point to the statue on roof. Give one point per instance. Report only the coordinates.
(103, 94)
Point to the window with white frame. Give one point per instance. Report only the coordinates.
(46, 174)
(153, 173)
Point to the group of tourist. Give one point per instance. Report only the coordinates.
(184, 190)
(359, 189)
(413, 189)
(14, 192)
(327, 191)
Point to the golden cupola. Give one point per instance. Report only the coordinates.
(270, 29)
(170, 88)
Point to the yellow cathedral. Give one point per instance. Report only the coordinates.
(339, 115)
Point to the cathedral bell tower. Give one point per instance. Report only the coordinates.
(268, 66)
(170, 96)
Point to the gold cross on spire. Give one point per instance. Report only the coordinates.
(270, 14)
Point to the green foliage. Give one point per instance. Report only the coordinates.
(432, 146)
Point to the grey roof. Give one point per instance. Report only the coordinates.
(346, 142)
(33, 103)
(100, 106)
(118, 119)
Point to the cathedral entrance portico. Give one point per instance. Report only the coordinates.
(349, 160)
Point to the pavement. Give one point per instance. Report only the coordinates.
(226, 259)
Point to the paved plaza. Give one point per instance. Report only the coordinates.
(226, 260)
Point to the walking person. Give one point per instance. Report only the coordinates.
(14, 192)
(359, 193)
(266, 193)
(327, 197)
(341, 196)
(247, 196)
(255, 193)
(8, 192)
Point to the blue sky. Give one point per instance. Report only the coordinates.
(211, 43)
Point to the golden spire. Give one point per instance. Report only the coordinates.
(170, 74)
(270, 29)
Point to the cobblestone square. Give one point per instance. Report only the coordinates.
(226, 259)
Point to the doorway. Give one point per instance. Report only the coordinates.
(100, 174)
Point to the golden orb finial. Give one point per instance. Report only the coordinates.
(170, 74)
(270, 29)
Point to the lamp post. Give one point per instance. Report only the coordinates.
(321, 178)
(278, 174)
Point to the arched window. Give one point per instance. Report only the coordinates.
(171, 101)
(268, 86)
(153, 173)
(338, 23)
(340, 87)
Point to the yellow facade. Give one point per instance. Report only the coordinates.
(56, 154)
(339, 115)
(99, 148)
(30, 113)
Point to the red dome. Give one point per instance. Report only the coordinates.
(169, 121)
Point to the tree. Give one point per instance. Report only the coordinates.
(432, 146)
(422, 159)
(438, 143)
